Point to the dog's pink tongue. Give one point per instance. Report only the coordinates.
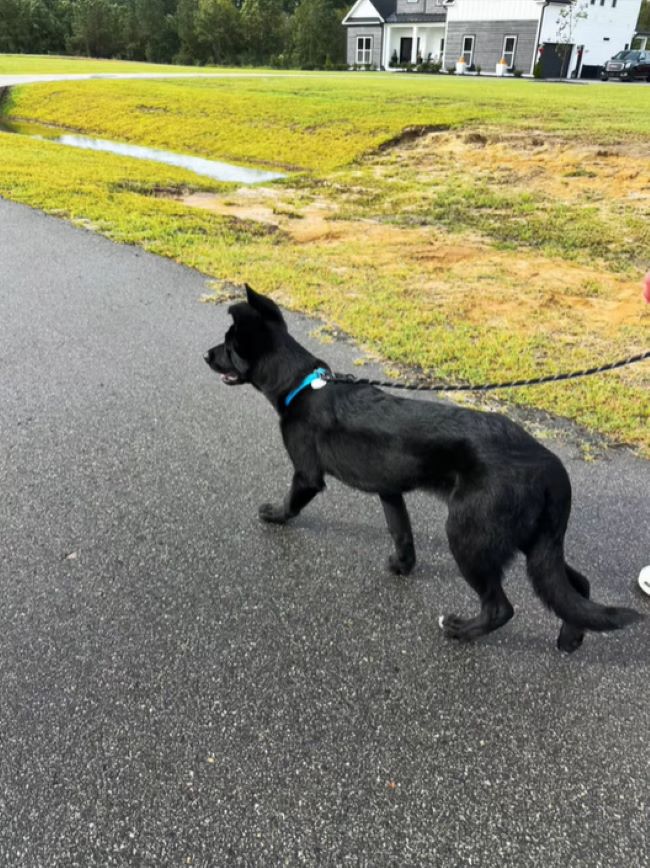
(646, 287)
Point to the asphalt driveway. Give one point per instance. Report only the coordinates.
(180, 685)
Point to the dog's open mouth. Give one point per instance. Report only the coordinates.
(218, 361)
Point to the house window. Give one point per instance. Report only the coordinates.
(364, 50)
(509, 48)
(468, 50)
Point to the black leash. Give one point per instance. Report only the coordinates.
(488, 387)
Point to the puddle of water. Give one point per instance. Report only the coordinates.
(207, 168)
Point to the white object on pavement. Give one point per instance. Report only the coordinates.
(644, 580)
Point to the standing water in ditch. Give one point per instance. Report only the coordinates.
(207, 168)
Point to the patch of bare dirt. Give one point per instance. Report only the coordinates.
(411, 134)
(539, 162)
(528, 293)
(522, 290)
(269, 206)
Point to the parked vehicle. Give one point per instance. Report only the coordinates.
(627, 65)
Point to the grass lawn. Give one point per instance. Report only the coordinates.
(28, 64)
(507, 241)
(320, 121)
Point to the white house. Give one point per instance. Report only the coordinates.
(569, 38)
(594, 33)
(406, 31)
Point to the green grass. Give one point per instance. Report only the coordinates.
(390, 299)
(29, 64)
(319, 122)
(618, 235)
(116, 196)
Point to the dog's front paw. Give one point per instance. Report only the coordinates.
(272, 514)
(400, 566)
(454, 627)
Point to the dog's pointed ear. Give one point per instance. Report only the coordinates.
(266, 307)
(251, 334)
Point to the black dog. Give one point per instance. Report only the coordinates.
(505, 491)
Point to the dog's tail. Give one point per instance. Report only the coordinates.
(566, 592)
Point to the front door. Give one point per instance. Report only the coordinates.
(405, 49)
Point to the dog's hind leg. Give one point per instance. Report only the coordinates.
(397, 518)
(570, 638)
(482, 568)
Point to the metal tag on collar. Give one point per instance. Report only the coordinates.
(315, 377)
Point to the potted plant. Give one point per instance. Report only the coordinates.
(461, 66)
(502, 66)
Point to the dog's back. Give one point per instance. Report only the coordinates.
(377, 442)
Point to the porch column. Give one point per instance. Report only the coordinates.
(414, 46)
(386, 35)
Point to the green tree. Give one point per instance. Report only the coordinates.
(37, 26)
(14, 26)
(98, 28)
(150, 30)
(644, 17)
(567, 18)
(218, 30)
(316, 34)
(60, 24)
(298, 32)
(264, 28)
(190, 50)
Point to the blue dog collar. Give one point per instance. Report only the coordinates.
(315, 380)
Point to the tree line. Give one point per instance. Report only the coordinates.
(284, 33)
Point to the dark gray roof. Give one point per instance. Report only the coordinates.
(384, 7)
(387, 10)
(416, 18)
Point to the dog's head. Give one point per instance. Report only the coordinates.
(258, 326)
